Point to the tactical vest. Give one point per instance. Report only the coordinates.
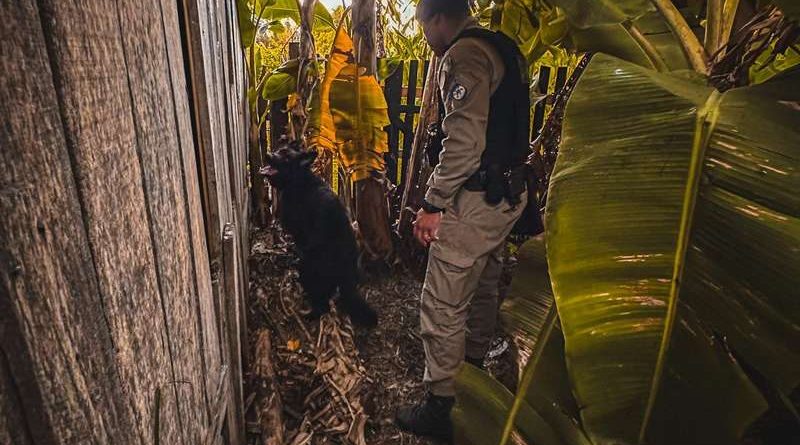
(508, 127)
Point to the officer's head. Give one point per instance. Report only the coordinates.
(440, 20)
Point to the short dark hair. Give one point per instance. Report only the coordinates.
(426, 9)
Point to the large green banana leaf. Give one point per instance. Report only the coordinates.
(619, 28)
(546, 413)
(283, 9)
(617, 40)
(273, 11)
(588, 13)
(482, 409)
(674, 249)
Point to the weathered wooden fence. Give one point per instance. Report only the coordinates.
(403, 92)
(123, 212)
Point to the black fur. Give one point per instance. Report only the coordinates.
(318, 222)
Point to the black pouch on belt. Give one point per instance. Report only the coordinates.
(516, 179)
(530, 222)
(495, 184)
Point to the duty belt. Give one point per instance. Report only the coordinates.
(476, 182)
(479, 180)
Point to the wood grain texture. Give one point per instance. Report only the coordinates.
(112, 329)
(218, 93)
(158, 144)
(177, 28)
(205, 116)
(58, 357)
(231, 319)
(13, 425)
(89, 63)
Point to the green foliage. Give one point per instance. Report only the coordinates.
(387, 66)
(247, 28)
(667, 224)
(352, 113)
(481, 412)
(544, 411)
(617, 40)
(764, 69)
(280, 85)
(266, 28)
(668, 217)
(289, 9)
(588, 13)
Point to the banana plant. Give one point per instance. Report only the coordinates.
(681, 304)
(543, 411)
(672, 229)
(267, 17)
(259, 22)
(352, 113)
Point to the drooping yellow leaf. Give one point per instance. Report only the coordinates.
(352, 112)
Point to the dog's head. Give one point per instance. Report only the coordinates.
(288, 164)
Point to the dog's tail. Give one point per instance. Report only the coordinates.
(351, 302)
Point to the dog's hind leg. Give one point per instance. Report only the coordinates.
(319, 291)
(351, 302)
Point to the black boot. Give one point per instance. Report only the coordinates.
(430, 418)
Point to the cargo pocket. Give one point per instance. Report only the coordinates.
(454, 258)
(449, 280)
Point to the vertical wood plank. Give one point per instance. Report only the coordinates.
(392, 91)
(107, 302)
(231, 319)
(240, 112)
(158, 144)
(14, 427)
(561, 79)
(58, 359)
(426, 66)
(85, 46)
(538, 111)
(411, 102)
(182, 69)
(203, 108)
(219, 99)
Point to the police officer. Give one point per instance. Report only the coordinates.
(471, 204)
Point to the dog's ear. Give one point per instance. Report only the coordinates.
(307, 158)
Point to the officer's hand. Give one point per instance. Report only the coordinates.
(426, 227)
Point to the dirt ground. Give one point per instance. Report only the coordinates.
(324, 382)
(374, 370)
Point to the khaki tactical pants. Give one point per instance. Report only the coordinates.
(459, 297)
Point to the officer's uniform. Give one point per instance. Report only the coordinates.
(459, 297)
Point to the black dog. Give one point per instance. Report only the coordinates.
(318, 222)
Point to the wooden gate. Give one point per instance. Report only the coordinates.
(123, 211)
(403, 92)
(549, 87)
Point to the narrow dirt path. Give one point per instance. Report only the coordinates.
(336, 384)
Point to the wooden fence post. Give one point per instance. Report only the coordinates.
(414, 190)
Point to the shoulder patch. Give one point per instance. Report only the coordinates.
(458, 92)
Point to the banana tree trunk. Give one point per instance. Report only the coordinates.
(306, 79)
(371, 207)
(364, 26)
